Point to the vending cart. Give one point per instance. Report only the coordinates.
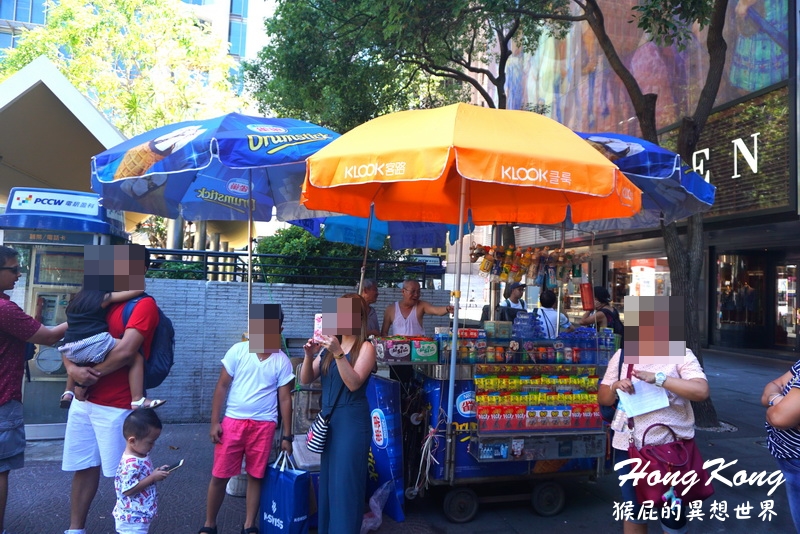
(49, 227)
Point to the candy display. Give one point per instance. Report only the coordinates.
(525, 398)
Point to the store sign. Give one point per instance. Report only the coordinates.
(49, 201)
(47, 236)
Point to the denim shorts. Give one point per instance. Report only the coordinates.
(12, 436)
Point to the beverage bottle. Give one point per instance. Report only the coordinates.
(497, 268)
(516, 267)
(524, 264)
(485, 268)
(508, 259)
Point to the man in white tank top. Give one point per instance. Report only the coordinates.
(405, 316)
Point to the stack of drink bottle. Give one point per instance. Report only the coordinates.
(582, 346)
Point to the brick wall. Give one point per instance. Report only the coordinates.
(209, 317)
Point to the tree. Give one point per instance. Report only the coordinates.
(669, 21)
(155, 229)
(143, 63)
(319, 261)
(343, 63)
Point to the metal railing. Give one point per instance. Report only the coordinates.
(277, 268)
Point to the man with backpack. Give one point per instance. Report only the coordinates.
(94, 438)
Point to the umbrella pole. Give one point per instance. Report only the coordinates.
(366, 248)
(249, 242)
(454, 340)
(560, 285)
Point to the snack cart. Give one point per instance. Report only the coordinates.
(525, 406)
(49, 227)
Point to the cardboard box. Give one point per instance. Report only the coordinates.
(393, 349)
(424, 351)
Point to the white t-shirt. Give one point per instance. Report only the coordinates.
(519, 305)
(254, 390)
(548, 319)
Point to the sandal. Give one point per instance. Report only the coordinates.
(251, 530)
(207, 530)
(144, 402)
(66, 399)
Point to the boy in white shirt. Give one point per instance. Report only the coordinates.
(256, 379)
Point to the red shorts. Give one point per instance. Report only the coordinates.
(243, 438)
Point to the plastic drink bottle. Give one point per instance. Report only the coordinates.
(515, 275)
(488, 262)
(508, 259)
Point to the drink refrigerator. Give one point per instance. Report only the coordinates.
(49, 228)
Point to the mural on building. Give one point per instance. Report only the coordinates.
(571, 79)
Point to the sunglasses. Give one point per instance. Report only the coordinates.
(16, 270)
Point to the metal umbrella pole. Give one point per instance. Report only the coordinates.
(366, 247)
(450, 438)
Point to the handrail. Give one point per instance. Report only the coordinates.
(277, 268)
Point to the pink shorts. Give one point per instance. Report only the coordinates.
(243, 438)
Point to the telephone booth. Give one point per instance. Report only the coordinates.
(49, 227)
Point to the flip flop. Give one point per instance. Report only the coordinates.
(155, 403)
(66, 399)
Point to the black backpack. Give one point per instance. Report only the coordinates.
(162, 349)
(615, 323)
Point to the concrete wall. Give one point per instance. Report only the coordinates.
(209, 317)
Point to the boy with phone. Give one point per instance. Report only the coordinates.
(135, 482)
(256, 380)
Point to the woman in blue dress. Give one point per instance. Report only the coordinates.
(344, 365)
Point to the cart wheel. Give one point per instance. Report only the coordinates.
(548, 499)
(460, 505)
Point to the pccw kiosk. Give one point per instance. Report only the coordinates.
(49, 227)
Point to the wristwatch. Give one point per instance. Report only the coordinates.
(660, 378)
(288, 438)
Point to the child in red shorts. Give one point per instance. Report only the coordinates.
(256, 379)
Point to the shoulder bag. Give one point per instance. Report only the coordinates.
(607, 412)
(318, 432)
(677, 457)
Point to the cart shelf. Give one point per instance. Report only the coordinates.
(561, 445)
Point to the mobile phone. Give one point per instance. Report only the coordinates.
(173, 467)
(318, 328)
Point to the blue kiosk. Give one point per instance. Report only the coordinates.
(49, 228)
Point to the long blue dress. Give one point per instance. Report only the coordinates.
(343, 465)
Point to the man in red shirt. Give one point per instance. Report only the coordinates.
(16, 328)
(94, 427)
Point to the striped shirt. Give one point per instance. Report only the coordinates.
(785, 443)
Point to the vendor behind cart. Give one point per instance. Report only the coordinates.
(404, 317)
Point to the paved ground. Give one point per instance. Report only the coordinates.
(38, 501)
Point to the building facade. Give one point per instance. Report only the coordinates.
(748, 150)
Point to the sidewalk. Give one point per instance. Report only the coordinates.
(39, 493)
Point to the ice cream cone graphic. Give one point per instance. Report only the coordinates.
(139, 159)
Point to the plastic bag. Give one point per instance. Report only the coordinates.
(374, 518)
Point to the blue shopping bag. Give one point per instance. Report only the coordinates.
(284, 498)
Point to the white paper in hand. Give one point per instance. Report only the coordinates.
(646, 398)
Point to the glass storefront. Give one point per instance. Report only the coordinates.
(787, 310)
(641, 277)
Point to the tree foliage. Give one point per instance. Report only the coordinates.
(319, 261)
(143, 63)
(343, 63)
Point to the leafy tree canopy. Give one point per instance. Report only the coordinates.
(143, 63)
(313, 258)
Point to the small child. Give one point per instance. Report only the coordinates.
(87, 341)
(135, 480)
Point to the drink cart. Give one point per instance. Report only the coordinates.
(524, 407)
(524, 411)
(49, 227)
